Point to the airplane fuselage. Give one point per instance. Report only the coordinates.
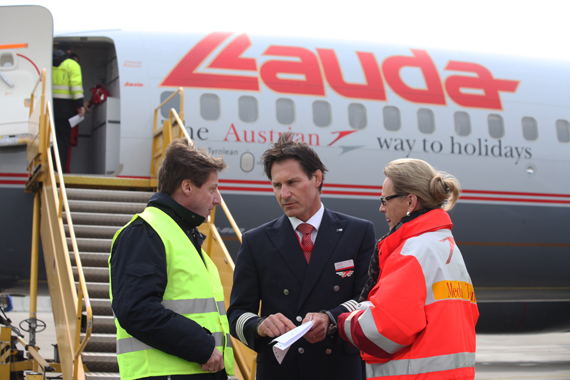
(499, 124)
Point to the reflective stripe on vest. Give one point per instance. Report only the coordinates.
(62, 96)
(370, 330)
(124, 346)
(193, 306)
(419, 366)
(347, 330)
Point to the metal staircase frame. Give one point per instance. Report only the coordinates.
(49, 203)
(71, 305)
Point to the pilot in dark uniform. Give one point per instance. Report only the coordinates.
(310, 263)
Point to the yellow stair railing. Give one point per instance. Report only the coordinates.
(67, 302)
(172, 128)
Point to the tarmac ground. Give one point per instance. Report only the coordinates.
(524, 357)
(499, 357)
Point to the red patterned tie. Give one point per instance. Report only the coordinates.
(306, 242)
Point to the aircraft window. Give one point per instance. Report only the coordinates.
(392, 120)
(496, 126)
(322, 115)
(357, 116)
(172, 103)
(285, 111)
(248, 109)
(530, 128)
(7, 59)
(210, 107)
(462, 123)
(426, 120)
(563, 130)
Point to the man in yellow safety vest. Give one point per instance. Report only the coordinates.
(166, 293)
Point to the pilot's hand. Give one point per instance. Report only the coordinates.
(215, 363)
(319, 330)
(275, 325)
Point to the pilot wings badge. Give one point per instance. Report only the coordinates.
(344, 268)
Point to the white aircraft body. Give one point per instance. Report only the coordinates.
(501, 125)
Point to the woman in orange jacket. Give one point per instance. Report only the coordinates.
(418, 315)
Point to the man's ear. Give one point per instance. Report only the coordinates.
(318, 177)
(187, 187)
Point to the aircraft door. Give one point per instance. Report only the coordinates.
(95, 147)
(26, 34)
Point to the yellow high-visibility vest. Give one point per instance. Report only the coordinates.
(201, 300)
(66, 80)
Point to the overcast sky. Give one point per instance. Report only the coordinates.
(522, 27)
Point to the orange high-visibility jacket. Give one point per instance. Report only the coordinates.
(422, 322)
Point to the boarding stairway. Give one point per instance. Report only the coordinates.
(77, 217)
(97, 215)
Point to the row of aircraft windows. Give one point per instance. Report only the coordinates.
(248, 109)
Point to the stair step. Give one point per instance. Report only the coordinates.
(109, 195)
(102, 376)
(93, 274)
(92, 232)
(91, 245)
(91, 259)
(103, 357)
(109, 207)
(104, 324)
(101, 306)
(101, 343)
(96, 289)
(100, 361)
(100, 219)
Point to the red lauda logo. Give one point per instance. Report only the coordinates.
(130, 84)
(477, 89)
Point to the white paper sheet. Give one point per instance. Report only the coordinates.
(74, 120)
(284, 342)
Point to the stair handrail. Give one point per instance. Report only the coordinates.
(184, 133)
(179, 91)
(249, 374)
(166, 134)
(167, 137)
(233, 223)
(32, 159)
(42, 160)
(41, 79)
(82, 292)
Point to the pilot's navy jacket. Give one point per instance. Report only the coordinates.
(271, 268)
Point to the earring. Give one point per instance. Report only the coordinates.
(408, 213)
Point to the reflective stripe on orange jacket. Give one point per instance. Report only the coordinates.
(422, 322)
